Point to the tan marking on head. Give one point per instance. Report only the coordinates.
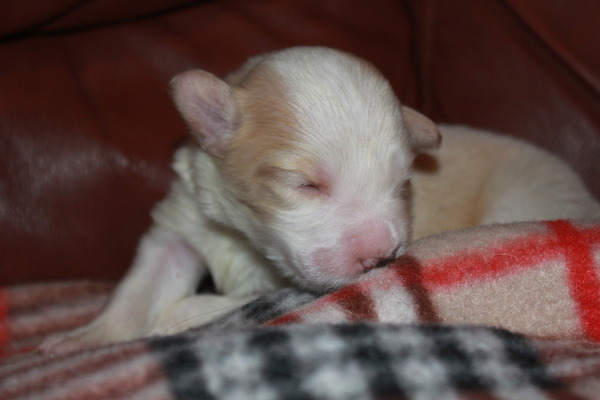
(268, 139)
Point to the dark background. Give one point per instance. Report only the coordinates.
(87, 128)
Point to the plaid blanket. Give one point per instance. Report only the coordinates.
(497, 312)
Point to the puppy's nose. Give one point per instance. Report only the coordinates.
(374, 262)
(370, 263)
(373, 246)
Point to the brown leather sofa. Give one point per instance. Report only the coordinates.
(87, 128)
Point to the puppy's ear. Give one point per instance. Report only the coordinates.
(208, 106)
(424, 133)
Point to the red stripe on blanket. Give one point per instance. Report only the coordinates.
(562, 394)
(4, 331)
(410, 273)
(510, 257)
(357, 305)
(582, 276)
(290, 318)
(353, 300)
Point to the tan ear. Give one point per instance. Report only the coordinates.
(208, 106)
(423, 131)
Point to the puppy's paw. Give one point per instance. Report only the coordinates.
(70, 341)
(60, 344)
(195, 311)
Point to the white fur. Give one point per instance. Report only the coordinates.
(299, 174)
(483, 178)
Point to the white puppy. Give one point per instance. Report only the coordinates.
(300, 173)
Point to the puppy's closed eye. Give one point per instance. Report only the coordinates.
(296, 181)
(310, 185)
(303, 184)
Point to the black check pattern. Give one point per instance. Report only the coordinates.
(259, 311)
(354, 361)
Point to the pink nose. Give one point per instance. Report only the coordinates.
(372, 246)
(370, 263)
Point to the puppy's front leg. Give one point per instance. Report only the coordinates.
(195, 311)
(166, 270)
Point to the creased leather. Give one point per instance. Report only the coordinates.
(87, 128)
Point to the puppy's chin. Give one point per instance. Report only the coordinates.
(323, 278)
(320, 283)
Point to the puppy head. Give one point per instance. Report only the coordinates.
(308, 152)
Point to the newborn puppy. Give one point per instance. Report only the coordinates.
(299, 173)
